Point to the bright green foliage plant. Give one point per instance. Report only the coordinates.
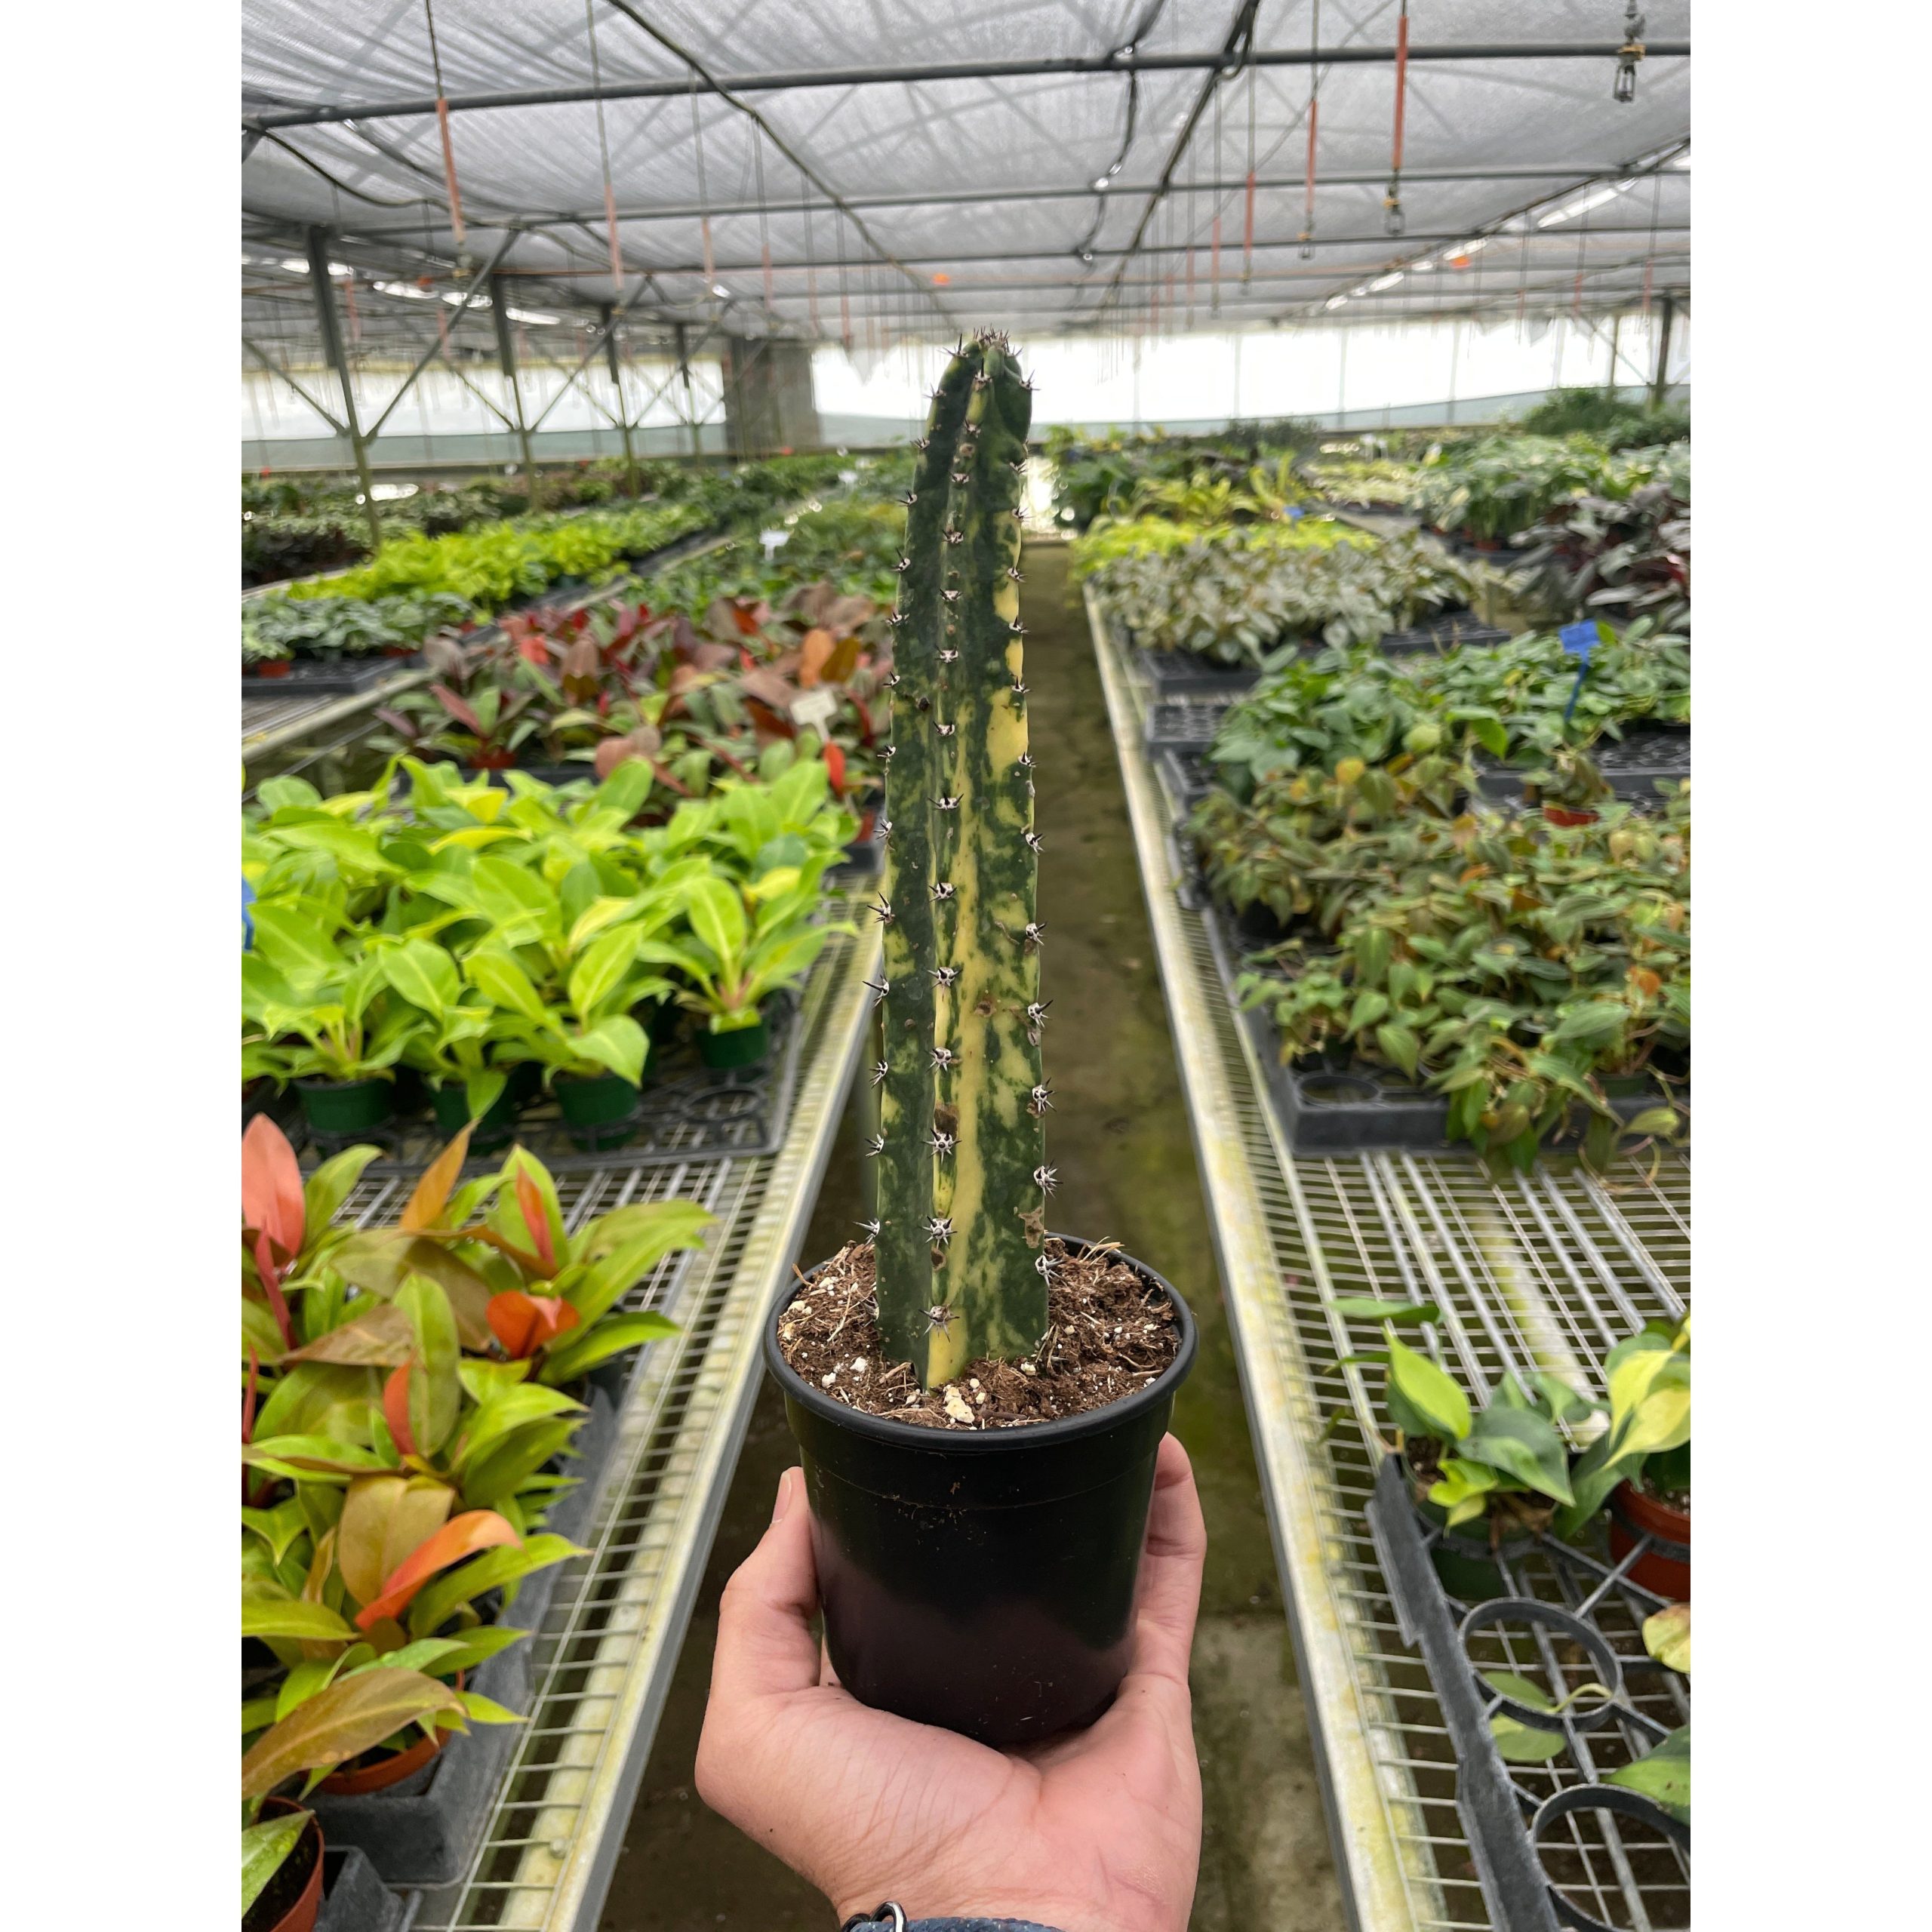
(1107, 540)
(962, 1269)
(470, 930)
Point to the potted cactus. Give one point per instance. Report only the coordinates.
(979, 1402)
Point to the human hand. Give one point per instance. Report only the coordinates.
(1099, 1830)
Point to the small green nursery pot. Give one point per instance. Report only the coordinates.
(595, 1107)
(742, 1046)
(346, 1106)
(983, 1581)
(494, 1126)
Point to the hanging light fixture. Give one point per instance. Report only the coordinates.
(1625, 87)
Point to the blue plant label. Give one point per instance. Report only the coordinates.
(248, 923)
(1578, 638)
(1296, 513)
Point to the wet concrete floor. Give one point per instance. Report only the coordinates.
(1119, 1134)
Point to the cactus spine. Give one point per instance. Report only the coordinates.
(960, 1245)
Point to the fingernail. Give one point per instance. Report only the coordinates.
(784, 1498)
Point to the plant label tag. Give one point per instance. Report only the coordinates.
(1578, 638)
(848, 476)
(817, 708)
(771, 540)
(1296, 513)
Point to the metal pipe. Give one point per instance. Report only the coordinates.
(665, 87)
(684, 371)
(500, 314)
(1579, 172)
(437, 347)
(338, 358)
(1662, 382)
(274, 368)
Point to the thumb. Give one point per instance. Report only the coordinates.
(765, 1645)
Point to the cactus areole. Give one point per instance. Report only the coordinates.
(960, 1240)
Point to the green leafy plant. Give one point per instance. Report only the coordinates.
(1648, 1439)
(1518, 968)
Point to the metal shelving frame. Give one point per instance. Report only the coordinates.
(1546, 1270)
(601, 1664)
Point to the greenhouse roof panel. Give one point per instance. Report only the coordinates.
(801, 168)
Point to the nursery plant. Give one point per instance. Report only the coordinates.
(1522, 969)
(942, 1601)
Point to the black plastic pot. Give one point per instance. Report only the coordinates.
(982, 1581)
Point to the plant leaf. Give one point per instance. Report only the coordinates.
(351, 1716)
(1430, 1394)
(265, 1847)
(1667, 1637)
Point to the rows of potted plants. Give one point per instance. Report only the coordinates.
(1520, 701)
(1232, 600)
(501, 946)
(422, 581)
(1100, 475)
(419, 1400)
(1489, 488)
(1531, 969)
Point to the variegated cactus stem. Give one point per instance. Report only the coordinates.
(961, 1262)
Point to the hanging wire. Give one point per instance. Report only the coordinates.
(1650, 258)
(1248, 216)
(1391, 202)
(1084, 248)
(604, 154)
(764, 232)
(811, 259)
(1624, 87)
(1314, 104)
(703, 200)
(1214, 240)
(443, 128)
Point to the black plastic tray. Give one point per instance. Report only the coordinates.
(354, 1897)
(1633, 766)
(1357, 1108)
(1188, 724)
(1568, 1596)
(1448, 630)
(1176, 674)
(686, 1111)
(319, 677)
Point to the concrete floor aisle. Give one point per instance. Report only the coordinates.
(1118, 1135)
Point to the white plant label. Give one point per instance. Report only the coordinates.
(771, 540)
(817, 708)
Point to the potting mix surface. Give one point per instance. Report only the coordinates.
(1108, 1335)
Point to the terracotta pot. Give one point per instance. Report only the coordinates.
(1565, 815)
(1665, 1567)
(391, 1771)
(301, 1916)
(493, 761)
(398, 650)
(274, 667)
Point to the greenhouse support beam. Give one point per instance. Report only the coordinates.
(668, 87)
(1662, 382)
(684, 371)
(440, 346)
(499, 314)
(1575, 173)
(274, 368)
(609, 317)
(338, 360)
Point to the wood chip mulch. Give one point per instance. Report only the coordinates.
(1108, 1335)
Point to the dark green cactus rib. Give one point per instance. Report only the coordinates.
(903, 1246)
(975, 1196)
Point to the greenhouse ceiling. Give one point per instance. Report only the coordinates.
(820, 170)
